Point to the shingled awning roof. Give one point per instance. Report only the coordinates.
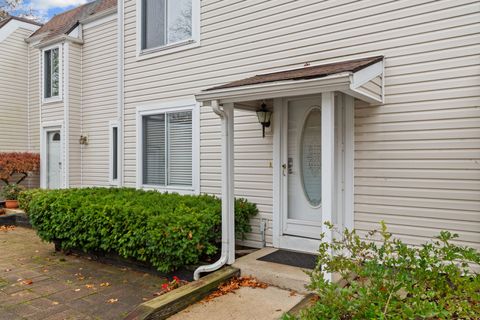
(65, 22)
(305, 73)
(351, 77)
(9, 18)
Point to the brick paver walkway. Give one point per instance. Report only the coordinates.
(38, 283)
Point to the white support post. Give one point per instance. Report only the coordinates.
(328, 164)
(228, 199)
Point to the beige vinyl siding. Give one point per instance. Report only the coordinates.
(13, 92)
(417, 156)
(34, 98)
(99, 99)
(74, 113)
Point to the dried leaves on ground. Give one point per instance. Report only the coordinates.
(7, 228)
(235, 284)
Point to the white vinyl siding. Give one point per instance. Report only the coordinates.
(99, 99)
(13, 87)
(410, 152)
(75, 114)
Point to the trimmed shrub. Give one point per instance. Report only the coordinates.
(387, 279)
(167, 230)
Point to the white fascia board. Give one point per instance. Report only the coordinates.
(107, 15)
(13, 25)
(277, 89)
(99, 18)
(362, 76)
(58, 40)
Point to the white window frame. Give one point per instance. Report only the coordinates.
(164, 107)
(60, 70)
(172, 47)
(113, 124)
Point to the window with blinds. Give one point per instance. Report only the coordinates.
(167, 149)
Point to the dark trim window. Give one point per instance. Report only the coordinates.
(114, 153)
(51, 81)
(166, 22)
(167, 140)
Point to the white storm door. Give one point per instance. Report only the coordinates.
(54, 159)
(302, 170)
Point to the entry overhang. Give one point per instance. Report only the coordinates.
(360, 78)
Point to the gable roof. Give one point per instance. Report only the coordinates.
(10, 18)
(67, 21)
(304, 73)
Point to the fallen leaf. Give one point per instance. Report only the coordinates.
(112, 300)
(76, 290)
(90, 286)
(104, 284)
(145, 299)
(55, 303)
(293, 293)
(235, 284)
(27, 282)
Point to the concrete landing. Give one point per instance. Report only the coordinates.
(279, 275)
(243, 304)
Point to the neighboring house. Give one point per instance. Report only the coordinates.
(18, 118)
(74, 66)
(376, 109)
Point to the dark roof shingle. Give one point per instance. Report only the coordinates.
(304, 73)
(63, 23)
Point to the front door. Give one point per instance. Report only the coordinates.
(303, 168)
(54, 160)
(301, 172)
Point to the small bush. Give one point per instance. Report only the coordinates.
(391, 280)
(165, 230)
(11, 191)
(18, 163)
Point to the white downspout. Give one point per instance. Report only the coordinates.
(227, 256)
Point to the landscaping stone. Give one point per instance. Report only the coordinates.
(38, 283)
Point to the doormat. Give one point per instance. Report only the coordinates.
(290, 258)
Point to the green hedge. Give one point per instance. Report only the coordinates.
(166, 230)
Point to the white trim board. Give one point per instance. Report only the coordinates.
(13, 25)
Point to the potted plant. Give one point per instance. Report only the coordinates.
(10, 192)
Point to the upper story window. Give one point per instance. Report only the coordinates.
(51, 72)
(168, 23)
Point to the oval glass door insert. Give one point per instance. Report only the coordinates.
(311, 157)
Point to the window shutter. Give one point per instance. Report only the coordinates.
(154, 150)
(180, 148)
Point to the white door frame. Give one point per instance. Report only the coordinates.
(48, 127)
(328, 196)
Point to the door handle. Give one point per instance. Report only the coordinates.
(284, 167)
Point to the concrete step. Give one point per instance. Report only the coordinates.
(279, 275)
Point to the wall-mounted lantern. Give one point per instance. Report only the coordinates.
(264, 116)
